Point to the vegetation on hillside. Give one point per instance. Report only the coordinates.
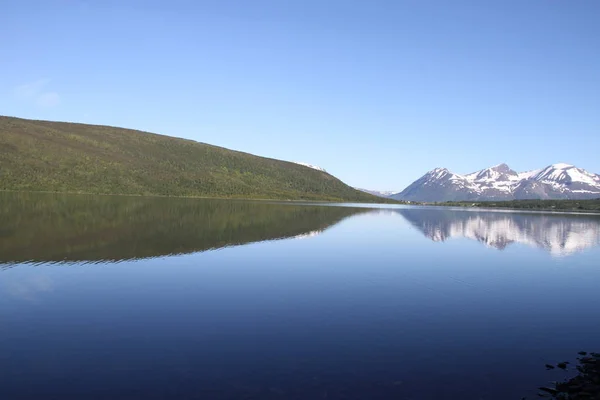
(44, 227)
(541, 205)
(69, 157)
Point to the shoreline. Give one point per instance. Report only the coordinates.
(558, 206)
(395, 202)
(453, 206)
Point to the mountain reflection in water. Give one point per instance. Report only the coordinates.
(559, 234)
(80, 228)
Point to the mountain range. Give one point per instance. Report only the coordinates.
(500, 182)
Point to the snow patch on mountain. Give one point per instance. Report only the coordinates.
(528, 174)
(310, 166)
(562, 173)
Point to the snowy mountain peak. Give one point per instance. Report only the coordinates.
(566, 174)
(310, 166)
(500, 172)
(561, 166)
(439, 173)
(500, 182)
(503, 168)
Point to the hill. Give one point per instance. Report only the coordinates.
(80, 158)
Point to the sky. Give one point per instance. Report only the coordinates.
(377, 92)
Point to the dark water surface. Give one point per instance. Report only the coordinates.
(149, 298)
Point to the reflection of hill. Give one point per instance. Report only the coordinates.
(559, 234)
(35, 227)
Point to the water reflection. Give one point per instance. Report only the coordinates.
(28, 288)
(67, 228)
(559, 234)
(368, 310)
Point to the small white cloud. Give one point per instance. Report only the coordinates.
(34, 93)
(49, 99)
(31, 89)
(30, 288)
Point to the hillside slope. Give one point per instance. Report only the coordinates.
(70, 157)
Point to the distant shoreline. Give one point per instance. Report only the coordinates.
(197, 197)
(479, 206)
(586, 207)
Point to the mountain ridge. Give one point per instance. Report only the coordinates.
(501, 183)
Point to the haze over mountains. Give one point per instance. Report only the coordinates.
(500, 182)
(378, 193)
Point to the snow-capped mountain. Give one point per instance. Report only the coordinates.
(500, 182)
(558, 234)
(310, 166)
(378, 193)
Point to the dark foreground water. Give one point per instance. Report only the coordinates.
(141, 298)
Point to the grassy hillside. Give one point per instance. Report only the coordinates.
(69, 157)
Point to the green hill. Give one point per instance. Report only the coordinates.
(70, 157)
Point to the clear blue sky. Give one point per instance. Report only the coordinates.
(376, 92)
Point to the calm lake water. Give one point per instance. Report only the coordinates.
(150, 298)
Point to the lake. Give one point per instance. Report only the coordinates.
(107, 297)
